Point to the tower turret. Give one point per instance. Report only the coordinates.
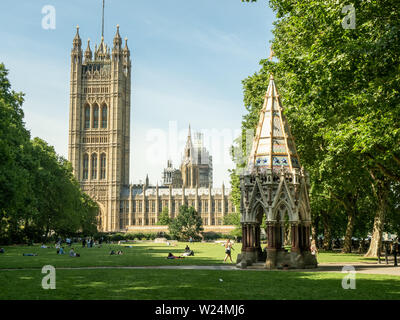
(77, 42)
(117, 39)
(88, 52)
(76, 52)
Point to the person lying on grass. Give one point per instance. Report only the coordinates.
(171, 256)
(72, 253)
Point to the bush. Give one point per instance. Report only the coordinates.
(212, 235)
(117, 237)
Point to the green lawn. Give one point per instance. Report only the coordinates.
(194, 284)
(175, 284)
(141, 254)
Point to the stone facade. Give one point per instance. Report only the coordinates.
(142, 205)
(99, 147)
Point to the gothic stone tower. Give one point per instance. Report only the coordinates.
(99, 124)
(275, 187)
(196, 166)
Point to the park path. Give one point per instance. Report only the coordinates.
(365, 268)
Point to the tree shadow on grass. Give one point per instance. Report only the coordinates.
(197, 285)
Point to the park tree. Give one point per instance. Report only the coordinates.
(340, 88)
(187, 224)
(38, 192)
(14, 142)
(233, 219)
(164, 218)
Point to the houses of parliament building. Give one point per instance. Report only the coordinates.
(99, 149)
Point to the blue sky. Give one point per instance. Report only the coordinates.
(188, 60)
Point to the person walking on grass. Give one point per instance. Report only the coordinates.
(228, 249)
(313, 248)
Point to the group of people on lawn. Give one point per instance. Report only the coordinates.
(188, 252)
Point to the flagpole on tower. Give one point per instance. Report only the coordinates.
(102, 23)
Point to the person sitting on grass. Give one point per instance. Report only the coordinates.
(188, 252)
(60, 251)
(112, 252)
(43, 246)
(119, 252)
(2, 250)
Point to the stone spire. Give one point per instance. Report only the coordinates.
(88, 52)
(273, 144)
(125, 50)
(102, 52)
(188, 153)
(117, 39)
(77, 42)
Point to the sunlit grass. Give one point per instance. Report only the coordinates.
(141, 254)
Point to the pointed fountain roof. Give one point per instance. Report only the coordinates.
(273, 144)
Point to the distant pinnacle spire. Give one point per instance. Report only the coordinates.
(77, 39)
(190, 131)
(117, 39)
(77, 33)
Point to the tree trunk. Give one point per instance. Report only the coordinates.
(376, 240)
(349, 232)
(327, 243)
(381, 192)
(314, 235)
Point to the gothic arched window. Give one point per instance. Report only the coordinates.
(95, 116)
(85, 167)
(104, 116)
(103, 163)
(87, 117)
(94, 166)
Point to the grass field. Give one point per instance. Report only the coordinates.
(141, 254)
(25, 282)
(194, 284)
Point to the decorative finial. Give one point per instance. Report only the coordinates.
(271, 53)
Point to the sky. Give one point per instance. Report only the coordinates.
(188, 62)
